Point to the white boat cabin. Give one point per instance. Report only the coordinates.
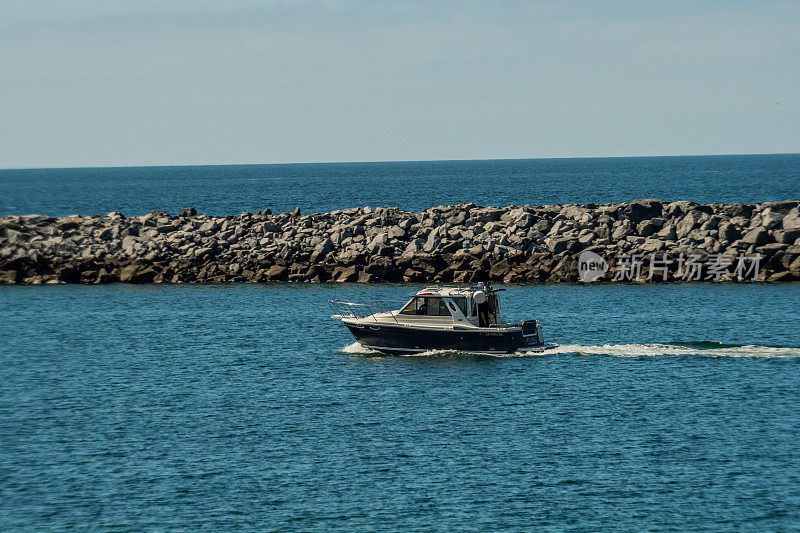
(476, 306)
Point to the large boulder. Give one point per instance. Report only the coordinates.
(770, 218)
(8, 277)
(645, 228)
(686, 225)
(345, 274)
(792, 220)
(380, 266)
(757, 236)
(276, 273)
(727, 232)
(781, 207)
(786, 236)
(639, 210)
(136, 274)
(558, 245)
(681, 208)
(69, 223)
(737, 210)
(574, 212)
(622, 230)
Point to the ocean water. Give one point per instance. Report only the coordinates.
(244, 406)
(230, 190)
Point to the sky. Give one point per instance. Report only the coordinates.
(145, 82)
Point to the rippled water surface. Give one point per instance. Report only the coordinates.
(245, 406)
(414, 185)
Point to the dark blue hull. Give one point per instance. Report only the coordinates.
(403, 339)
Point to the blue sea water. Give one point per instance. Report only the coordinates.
(230, 190)
(243, 406)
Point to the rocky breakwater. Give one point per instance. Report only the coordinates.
(459, 243)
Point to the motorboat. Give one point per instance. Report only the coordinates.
(464, 319)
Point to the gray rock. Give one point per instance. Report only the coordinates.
(277, 272)
(639, 210)
(781, 207)
(621, 230)
(603, 231)
(574, 212)
(682, 208)
(380, 267)
(791, 220)
(646, 228)
(737, 210)
(771, 219)
(757, 236)
(8, 277)
(771, 248)
(710, 224)
(727, 232)
(558, 245)
(785, 236)
(136, 274)
(686, 225)
(396, 232)
(129, 245)
(317, 247)
(487, 214)
(652, 245)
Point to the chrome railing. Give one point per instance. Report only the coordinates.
(367, 309)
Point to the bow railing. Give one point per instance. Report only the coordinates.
(368, 309)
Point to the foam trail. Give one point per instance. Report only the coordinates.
(653, 350)
(432, 353)
(622, 350)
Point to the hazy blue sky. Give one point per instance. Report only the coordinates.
(99, 82)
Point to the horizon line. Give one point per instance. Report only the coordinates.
(343, 162)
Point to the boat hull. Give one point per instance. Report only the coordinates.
(405, 339)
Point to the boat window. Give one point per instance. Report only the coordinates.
(426, 306)
(413, 307)
(461, 302)
(437, 307)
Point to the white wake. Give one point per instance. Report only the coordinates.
(655, 350)
(619, 350)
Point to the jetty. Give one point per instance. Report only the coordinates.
(446, 244)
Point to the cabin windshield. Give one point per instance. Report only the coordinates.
(426, 306)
